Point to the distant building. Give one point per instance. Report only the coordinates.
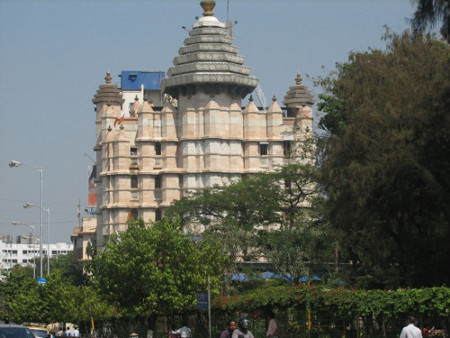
(189, 131)
(25, 249)
(135, 85)
(82, 237)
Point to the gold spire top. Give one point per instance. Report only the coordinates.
(298, 79)
(208, 6)
(108, 77)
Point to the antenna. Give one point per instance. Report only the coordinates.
(229, 25)
(228, 11)
(93, 161)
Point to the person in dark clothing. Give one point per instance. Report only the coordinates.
(228, 332)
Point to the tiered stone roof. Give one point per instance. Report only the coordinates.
(208, 61)
(108, 92)
(298, 95)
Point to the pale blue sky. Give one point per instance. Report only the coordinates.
(55, 53)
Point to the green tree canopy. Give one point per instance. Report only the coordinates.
(155, 270)
(386, 162)
(275, 215)
(20, 297)
(23, 299)
(231, 213)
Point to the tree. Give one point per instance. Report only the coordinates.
(386, 161)
(231, 214)
(70, 270)
(21, 297)
(272, 215)
(158, 270)
(431, 12)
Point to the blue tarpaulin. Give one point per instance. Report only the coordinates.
(243, 277)
(132, 80)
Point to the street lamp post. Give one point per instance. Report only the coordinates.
(34, 249)
(14, 164)
(30, 205)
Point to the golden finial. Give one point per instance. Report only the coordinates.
(136, 98)
(109, 128)
(208, 6)
(108, 77)
(298, 79)
(274, 98)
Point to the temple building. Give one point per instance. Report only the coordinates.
(197, 135)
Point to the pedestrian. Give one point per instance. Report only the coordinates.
(68, 332)
(272, 330)
(242, 331)
(410, 330)
(174, 333)
(185, 332)
(59, 332)
(228, 332)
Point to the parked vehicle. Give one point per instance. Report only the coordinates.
(15, 331)
(39, 331)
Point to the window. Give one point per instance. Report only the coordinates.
(134, 213)
(263, 148)
(134, 182)
(133, 151)
(287, 148)
(157, 214)
(158, 148)
(158, 182)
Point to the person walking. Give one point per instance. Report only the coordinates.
(242, 331)
(272, 330)
(410, 330)
(174, 333)
(185, 332)
(228, 332)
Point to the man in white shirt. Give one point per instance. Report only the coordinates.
(411, 331)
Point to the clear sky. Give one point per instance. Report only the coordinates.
(54, 54)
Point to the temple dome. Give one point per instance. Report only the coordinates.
(208, 61)
(108, 92)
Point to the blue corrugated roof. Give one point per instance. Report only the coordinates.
(132, 80)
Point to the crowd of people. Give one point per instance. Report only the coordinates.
(242, 330)
(68, 332)
(232, 331)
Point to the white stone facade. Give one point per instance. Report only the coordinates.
(201, 137)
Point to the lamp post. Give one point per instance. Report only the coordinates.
(34, 248)
(30, 205)
(14, 164)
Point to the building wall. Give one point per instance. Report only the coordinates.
(199, 138)
(24, 254)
